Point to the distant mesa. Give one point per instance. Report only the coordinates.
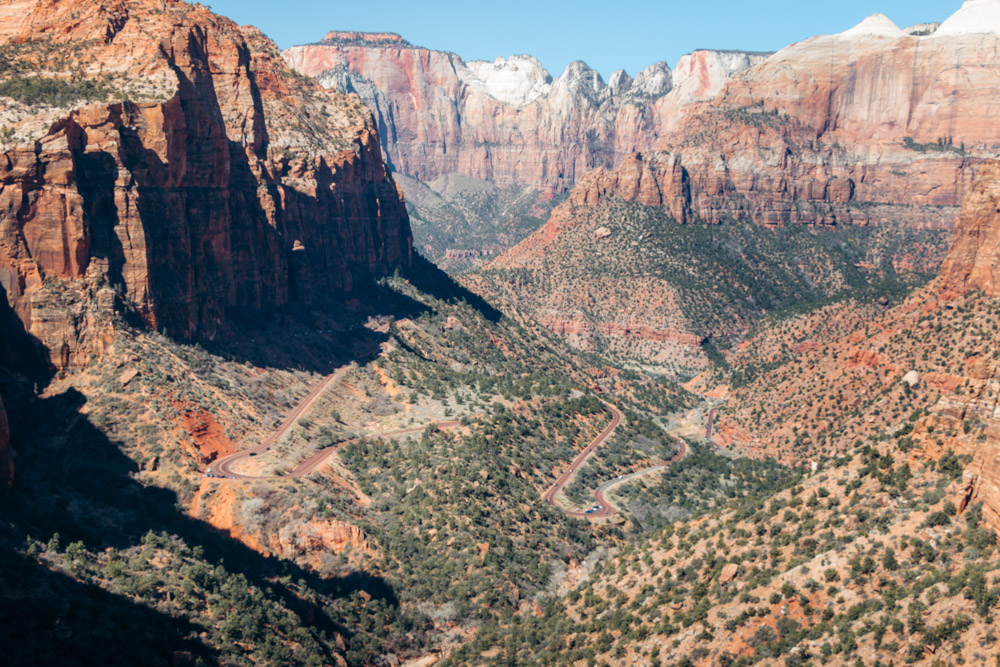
(364, 38)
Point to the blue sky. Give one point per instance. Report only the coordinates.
(607, 34)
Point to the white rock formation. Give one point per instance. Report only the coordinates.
(876, 25)
(517, 81)
(975, 17)
(700, 75)
(654, 81)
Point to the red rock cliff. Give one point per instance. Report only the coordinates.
(508, 122)
(973, 261)
(874, 124)
(218, 183)
(869, 125)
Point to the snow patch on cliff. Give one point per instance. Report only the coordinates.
(975, 17)
(517, 81)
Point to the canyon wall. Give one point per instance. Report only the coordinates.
(974, 259)
(230, 188)
(872, 124)
(869, 126)
(508, 121)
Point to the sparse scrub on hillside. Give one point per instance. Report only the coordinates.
(38, 90)
(712, 281)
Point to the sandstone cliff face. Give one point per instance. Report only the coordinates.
(699, 76)
(228, 193)
(870, 125)
(508, 122)
(974, 259)
(652, 180)
(830, 130)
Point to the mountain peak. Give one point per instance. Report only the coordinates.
(517, 80)
(878, 25)
(975, 17)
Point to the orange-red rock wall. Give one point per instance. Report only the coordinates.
(973, 261)
(185, 204)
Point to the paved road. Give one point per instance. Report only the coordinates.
(550, 494)
(607, 507)
(224, 467)
(709, 429)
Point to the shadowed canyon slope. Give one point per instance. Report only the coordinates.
(203, 181)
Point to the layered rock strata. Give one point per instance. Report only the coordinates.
(874, 123)
(232, 188)
(507, 121)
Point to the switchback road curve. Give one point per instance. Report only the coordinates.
(550, 494)
(225, 467)
(606, 508)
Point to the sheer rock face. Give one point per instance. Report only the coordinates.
(700, 75)
(973, 261)
(872, 124)
(824, 129)
(219, 196)
(506, 121)
(652, 180)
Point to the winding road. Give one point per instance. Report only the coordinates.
(709, 429)
(550, 495)
(609, 509)
(605, 507)
(224, 467)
